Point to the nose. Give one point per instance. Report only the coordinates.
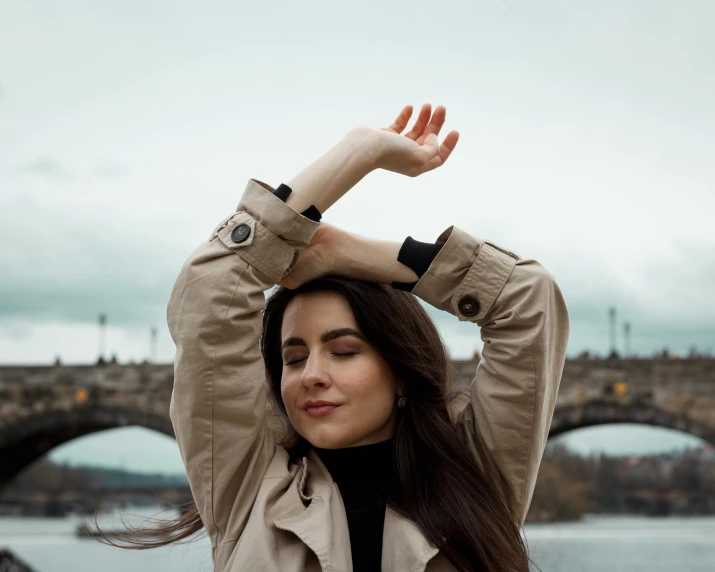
(314, 373)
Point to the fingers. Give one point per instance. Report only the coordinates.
(401, 122)
(426, 121)
(421, 122)
(437, 121)
(445, 150)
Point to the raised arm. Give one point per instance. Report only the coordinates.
(525, 329)
(524, 326)
(515, 301)
(218, 403)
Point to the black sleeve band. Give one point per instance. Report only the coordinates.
(417, 256)
(312, 213)
(283, 192)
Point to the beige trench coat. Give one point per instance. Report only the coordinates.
(263, 513)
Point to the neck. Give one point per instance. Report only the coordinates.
(364, 463)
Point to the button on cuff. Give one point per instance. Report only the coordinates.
(258, 246)
(468, 306)
(240, 233)
(484, 280)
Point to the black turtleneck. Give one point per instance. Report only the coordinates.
(363, 475)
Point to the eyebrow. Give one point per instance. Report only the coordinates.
(325, 337)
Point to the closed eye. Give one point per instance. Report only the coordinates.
(345, 354)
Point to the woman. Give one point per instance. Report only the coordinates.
(373, 469)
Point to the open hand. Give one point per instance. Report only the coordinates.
(418, 151)
(321, 256)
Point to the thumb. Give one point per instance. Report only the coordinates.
(288, 282)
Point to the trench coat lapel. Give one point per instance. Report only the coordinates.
(404, 547)
(322, 525)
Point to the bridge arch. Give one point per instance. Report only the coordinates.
(27, 439)
(607, 411)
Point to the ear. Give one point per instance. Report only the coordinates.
(400, 388)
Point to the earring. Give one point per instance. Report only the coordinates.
(401, 402)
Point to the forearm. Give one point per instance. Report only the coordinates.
(333, 174)
(373, 260)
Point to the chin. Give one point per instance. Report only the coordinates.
(326, 438)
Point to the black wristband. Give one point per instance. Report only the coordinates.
(283, 192)
(417, 256)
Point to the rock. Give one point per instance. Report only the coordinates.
(10, 563)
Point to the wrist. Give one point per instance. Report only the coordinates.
(371, 260)
(333, 174)
(346, 263)
(366, 144)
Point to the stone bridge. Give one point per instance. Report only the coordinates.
(42, 407)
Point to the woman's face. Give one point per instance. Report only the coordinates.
(326, 359)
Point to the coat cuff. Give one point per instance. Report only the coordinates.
(466, 276)
(265, 231)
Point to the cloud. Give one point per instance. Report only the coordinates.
(14, 331)
(572, 159)
(684, 280)
(81, 260)
(45, 167)
(110, 169)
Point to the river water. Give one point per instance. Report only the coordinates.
(597, 544)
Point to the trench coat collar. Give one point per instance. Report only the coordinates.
(322, 525)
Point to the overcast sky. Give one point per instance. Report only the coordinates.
(129, 130)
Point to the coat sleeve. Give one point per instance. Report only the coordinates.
(525, 329)
(214, 314)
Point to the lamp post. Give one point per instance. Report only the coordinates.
(153, 345)
(102, 335)
(612, 317)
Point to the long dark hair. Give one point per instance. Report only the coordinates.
(455, 500)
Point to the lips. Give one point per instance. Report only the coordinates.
(320, 408)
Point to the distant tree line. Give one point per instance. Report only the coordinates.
(570, 485)
(47, 476)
